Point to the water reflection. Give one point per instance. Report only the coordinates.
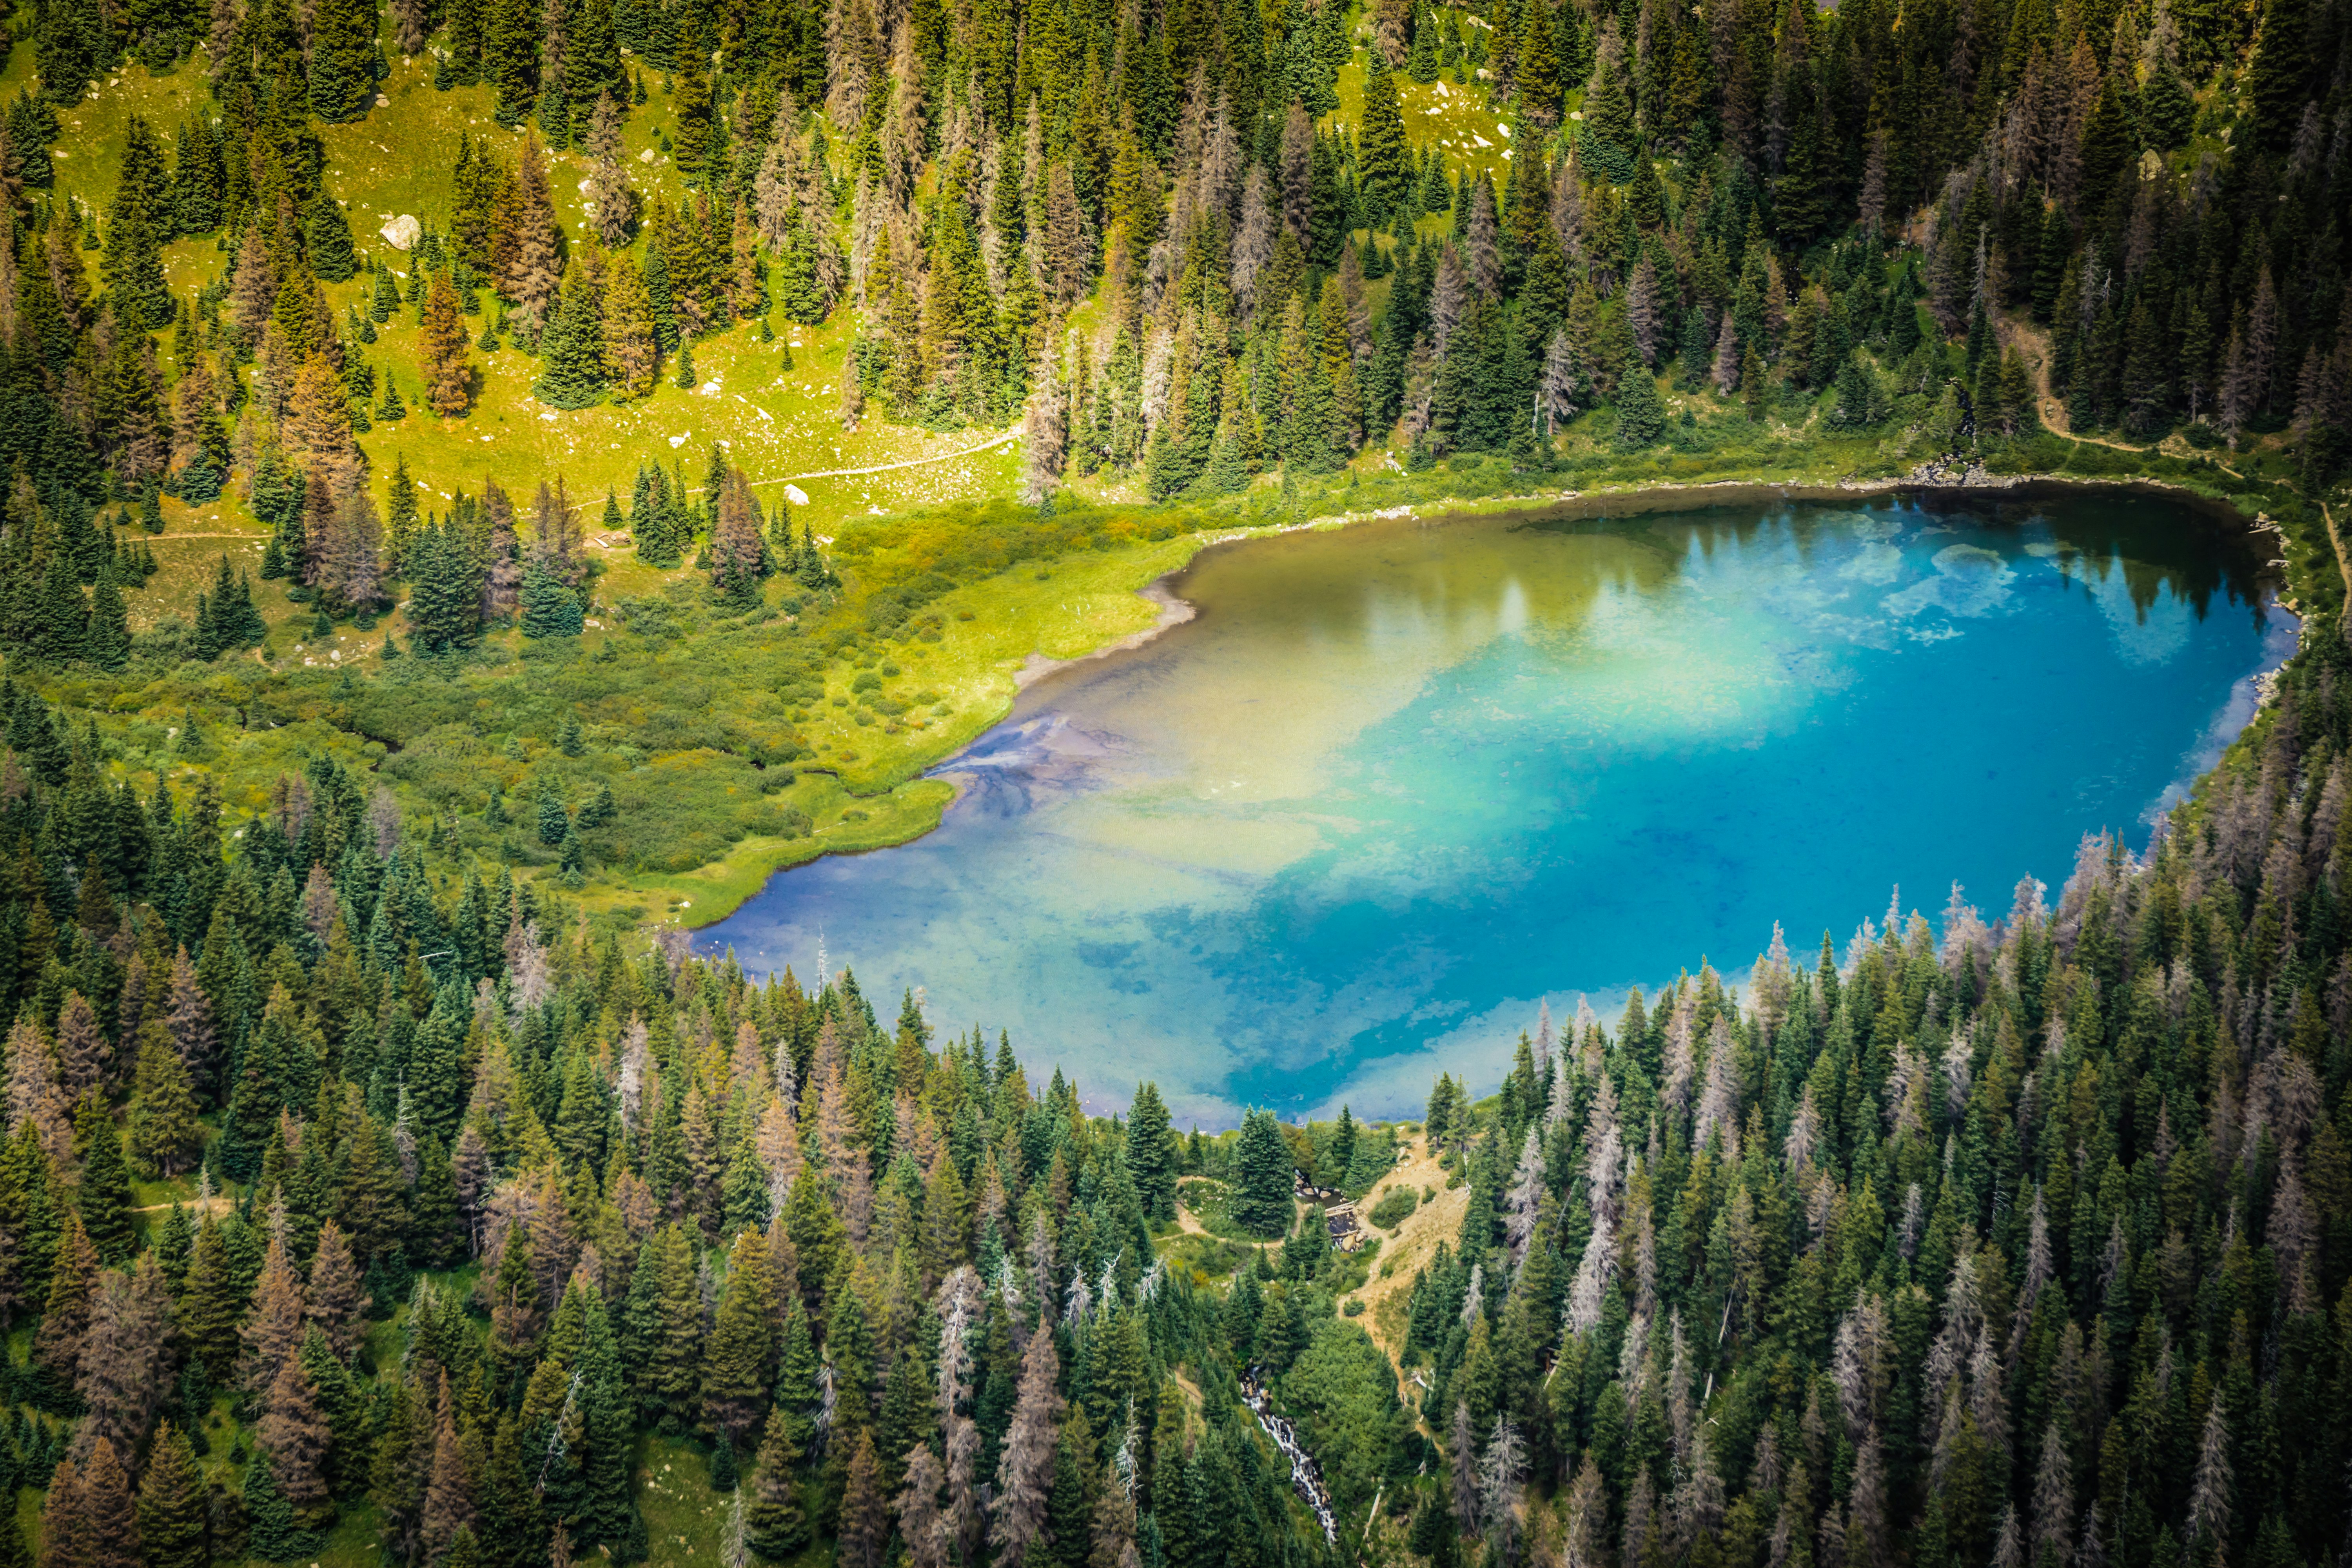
(1394, 784)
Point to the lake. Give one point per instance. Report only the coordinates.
(1398, 785)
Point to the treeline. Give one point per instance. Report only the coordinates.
(1917, 230)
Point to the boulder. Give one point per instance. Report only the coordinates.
(402, 232)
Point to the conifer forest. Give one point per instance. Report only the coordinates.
(486, 482)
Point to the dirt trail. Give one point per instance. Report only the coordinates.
(2337, 540)
(989, 445)
(1010, 436)
(2034, 343)
(1406, 1250)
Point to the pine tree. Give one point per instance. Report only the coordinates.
(573, 346)
(60, 626)
(293, 1434)
(1536, 71)
(336, 1298)
(443, 603)
(327, 231)
(864, 1522)
(691, 105)
(1383, 158)
(739, 557)
(210, 1304)
(511, 57)
(631, 348)
(138, 224)
(1152, 1153)
(273, 1333)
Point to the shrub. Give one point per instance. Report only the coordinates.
(1395, 1208)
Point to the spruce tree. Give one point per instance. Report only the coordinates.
(1385, 160)
(1152, 1153)
(165, 1135)
(106, 1198)
(1641, 412)
(342, 62)
(59, 625)
(274, 1537)
(775, 1525)
(139, 221)
(108, 643)
(741, 1352)
(328, 231)
(549, 608)
(574, 348)
(1264, 1174)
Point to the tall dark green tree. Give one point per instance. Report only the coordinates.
(1264, 1177)
(108, 644)
(342, 60)
(139, 221)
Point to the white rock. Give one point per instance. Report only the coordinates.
(402, 232)
(647, 156)
(382, 102)
(796, 495)
(676, 442)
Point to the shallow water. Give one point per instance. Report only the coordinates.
(1399, 784)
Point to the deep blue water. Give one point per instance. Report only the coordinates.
(1399, 783)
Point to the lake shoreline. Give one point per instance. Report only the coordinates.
(1165, 590)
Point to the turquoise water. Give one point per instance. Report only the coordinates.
(1399, 783)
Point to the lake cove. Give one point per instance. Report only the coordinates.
(1396, 785)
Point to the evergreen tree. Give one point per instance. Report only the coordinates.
(139, 223)
(1265, 1177)
(775, 1526)
(165, 1135)
(1641, 412)
(441, 351)
(269, 1517)
(328, 230)
(549, 608)
(1384, 159)
(108, 640)
(106, 1197)
(342, 62)
(573, 347)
